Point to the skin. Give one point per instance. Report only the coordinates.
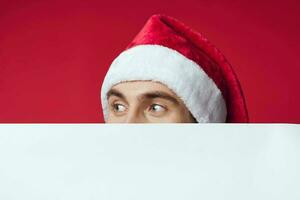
(146, 102)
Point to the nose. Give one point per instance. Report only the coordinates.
(134, 116)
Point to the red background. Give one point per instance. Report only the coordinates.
(54, 54)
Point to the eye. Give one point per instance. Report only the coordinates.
(157, 108)
(119, 107)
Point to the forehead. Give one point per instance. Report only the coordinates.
(136, 88)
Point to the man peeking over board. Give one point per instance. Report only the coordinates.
(171, 73)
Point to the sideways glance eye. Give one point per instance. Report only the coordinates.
(119, 107)
(157, 108)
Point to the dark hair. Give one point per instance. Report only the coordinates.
(193, 118)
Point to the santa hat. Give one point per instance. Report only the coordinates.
(167, 51)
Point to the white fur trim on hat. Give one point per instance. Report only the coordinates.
(183, 76)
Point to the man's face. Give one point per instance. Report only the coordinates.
(145, 102)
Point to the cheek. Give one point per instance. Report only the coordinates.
(113, 119)
(173, 116)
(182, 115)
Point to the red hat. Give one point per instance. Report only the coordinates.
(167, 51)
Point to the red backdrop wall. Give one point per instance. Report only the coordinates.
(54, 54)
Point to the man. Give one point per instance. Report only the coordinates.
(146, 101)
(170, 73)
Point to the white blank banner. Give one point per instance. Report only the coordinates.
(149, 161)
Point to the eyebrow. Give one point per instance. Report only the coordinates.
(114, 92)
(147, 95)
